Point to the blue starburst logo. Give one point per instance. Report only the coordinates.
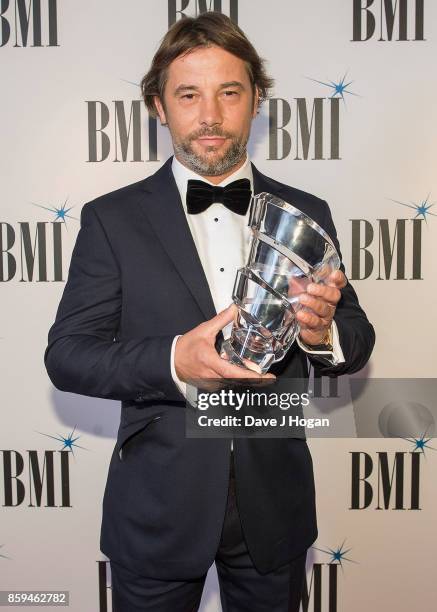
(338, 88)
(68, 442)
(421, 209)
(421, 443)
(338, 555)
(4, 556)
(61, 212)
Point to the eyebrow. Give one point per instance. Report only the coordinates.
(181, 88)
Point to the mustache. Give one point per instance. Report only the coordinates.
(216, 131)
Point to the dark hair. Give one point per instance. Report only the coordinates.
(206, 30)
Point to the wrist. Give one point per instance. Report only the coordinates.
(325, 343)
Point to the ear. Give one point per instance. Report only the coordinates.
(160, 110)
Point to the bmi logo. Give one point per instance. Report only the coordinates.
(388, 19)
(35, 478)
(390, 248)
(38, 478)
(178, 9)
(29, 23)
(320, 591)
(304, 129)
(115, 132)
(308, 128)
(388, 481)
(32, 251)
(391, 480)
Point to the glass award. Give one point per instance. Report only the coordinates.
(288, 251)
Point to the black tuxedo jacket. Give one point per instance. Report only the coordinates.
(135, 281)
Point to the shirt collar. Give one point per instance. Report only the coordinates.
(182, 175)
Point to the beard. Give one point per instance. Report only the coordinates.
(204, 164)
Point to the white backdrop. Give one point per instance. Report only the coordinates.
(387, 131)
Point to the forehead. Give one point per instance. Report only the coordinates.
(207, 66)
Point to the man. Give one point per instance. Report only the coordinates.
(151, 267)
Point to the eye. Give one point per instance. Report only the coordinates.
(188, 96)
(229, 93)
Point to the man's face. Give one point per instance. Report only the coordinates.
(208, 105)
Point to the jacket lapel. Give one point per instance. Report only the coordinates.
(264, 183)
(166, 215)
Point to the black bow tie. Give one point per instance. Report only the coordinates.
(235, 196)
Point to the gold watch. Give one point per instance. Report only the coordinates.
(325, 343)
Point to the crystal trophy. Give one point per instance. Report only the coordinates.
(288, 251)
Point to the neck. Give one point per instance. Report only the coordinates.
(215, 180)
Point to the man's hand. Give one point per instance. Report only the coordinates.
(320, 302)
(196, 357)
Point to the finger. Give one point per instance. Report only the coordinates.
(318, 306)
(337, 279)
(297, 285)
(222, 319)
(310, 320)
(229, 370)
(325, 292)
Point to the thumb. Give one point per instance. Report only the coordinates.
(220, 321)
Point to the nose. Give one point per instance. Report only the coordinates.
(210, 112)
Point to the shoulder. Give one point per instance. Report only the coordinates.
(118, 197)
(120, 200)
(312, 205)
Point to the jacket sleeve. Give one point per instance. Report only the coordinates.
(356, 334)
(83, 354)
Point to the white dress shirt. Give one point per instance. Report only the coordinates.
(222, 239)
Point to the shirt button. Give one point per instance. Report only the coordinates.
(216, 219)
(222, 269)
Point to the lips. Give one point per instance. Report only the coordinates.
(211, 141)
